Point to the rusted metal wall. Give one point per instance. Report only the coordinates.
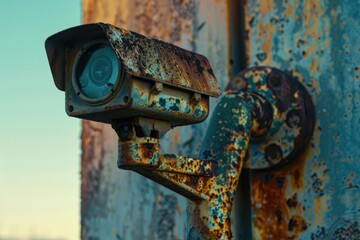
(314, 197)
(118, 204)
(317, 196)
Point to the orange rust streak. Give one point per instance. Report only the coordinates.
(270, 206)
(265, 7)
(290, 10)
(274, 197)
(266, 30)
(314, 66)
(276, 213)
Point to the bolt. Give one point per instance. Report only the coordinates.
(275, 79)
(293, 118)
(273, 154)
(149, 146)
(71, 108)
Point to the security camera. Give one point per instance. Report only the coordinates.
(144, 87)
(111, 74)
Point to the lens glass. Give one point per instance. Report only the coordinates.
(97, 72)
(100, 70)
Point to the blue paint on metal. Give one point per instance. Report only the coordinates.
(210, 182)
(319, 43)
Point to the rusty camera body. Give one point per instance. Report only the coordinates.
(111, 74)
(144, 87)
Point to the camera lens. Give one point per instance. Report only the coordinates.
(100, 71)
(97, 72)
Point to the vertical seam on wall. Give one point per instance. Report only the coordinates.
(242, 203)
(237, 36)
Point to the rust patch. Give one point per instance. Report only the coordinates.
(273, 208)
(164, 62)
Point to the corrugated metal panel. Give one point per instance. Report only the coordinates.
(316, 196)
(313, 197)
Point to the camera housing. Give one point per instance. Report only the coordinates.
(111, 74)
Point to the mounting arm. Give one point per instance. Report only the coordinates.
(210, 182)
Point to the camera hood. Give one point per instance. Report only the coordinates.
(140, 56)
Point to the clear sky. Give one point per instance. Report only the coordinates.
(39, 143)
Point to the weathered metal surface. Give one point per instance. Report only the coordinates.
(227, 140)
(140, 56)
(137, 98)
(210, 182)
(155, 59)
(120, 204)
(175, 106)
(318, 42)
(293, 117)
(186, 78)
(316, 197)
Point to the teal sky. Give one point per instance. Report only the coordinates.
(39, 143)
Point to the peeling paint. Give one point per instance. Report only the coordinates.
(318, 43)
(315, 43)
(177, 22)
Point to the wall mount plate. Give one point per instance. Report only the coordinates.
(293, 116)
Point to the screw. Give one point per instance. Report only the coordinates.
(293, 118)
(273, 154)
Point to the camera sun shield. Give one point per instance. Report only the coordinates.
(109, 73)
